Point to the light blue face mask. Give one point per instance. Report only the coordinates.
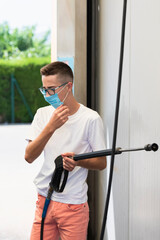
(54, 99)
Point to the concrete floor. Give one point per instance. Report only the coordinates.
(17, 191)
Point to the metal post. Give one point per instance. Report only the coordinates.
(23, 99)
(14, 82)
(12, 100)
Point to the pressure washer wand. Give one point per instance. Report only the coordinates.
(101, 153)
(108, 152)
(149, 147)
(56, 177)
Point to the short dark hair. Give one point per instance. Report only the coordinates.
(59, 68)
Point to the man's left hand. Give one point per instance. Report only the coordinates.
(68, 162)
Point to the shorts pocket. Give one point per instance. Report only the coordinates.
(77, 207)
(40, 202)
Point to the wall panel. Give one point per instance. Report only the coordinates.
(134, 207)
(109, 50)
(145, 118)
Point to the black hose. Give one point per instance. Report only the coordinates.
(116, 118)
(42, 227)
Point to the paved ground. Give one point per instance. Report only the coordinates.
(17, 191)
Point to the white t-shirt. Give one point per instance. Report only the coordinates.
(83, 132)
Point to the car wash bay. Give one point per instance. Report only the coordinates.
(134, 212)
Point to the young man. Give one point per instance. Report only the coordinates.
(64, 128)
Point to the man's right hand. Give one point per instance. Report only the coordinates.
(59, 117)
(35, 147)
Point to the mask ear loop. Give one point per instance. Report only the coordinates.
(66, 94)
(65, 97)
(62, 89)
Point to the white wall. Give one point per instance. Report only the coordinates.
(63, 28)
(135, 201)
(69, 39)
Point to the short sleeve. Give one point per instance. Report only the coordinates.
(96, 136)
(35, 127)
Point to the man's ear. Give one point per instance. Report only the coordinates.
(70, 85)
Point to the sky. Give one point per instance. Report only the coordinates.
(19, 13)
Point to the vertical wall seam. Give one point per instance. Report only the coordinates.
(54, 34)
(129, 182)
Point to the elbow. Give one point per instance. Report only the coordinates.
(28, 159)
(28, 156)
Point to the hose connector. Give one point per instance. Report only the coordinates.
(151, 147)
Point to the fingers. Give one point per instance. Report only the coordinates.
(67, 166)
(68, 163)
(59, 117)
(62, 112)
(62, 108)
(68, 154)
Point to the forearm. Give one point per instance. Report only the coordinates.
(98, 163)
(35, 147)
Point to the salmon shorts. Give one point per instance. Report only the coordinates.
(64, 221)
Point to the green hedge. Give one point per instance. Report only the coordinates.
(27, 74)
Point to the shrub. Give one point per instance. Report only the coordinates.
(27, 74)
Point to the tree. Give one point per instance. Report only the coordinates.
(22, 43)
